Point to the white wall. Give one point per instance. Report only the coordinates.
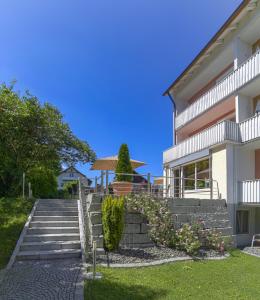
(242, 51)
(244, 108)
(219, 169)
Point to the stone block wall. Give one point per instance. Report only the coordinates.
(214, 213)
(135, 233)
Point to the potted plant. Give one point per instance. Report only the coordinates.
(123, 180)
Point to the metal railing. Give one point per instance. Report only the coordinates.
(249, 191)
(250, 128)
(226, 87)
(167, 187)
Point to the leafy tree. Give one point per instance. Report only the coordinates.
(44, 182)
(34, 135)
(124, 164)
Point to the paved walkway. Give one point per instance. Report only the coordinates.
(43, 280)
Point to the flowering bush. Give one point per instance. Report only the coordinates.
(157, 214)
(187, 239)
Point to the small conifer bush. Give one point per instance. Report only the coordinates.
(124, 164)
(113, 221)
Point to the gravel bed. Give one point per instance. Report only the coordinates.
(252, 250)
(146, 255)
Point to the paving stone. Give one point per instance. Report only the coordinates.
(41, 280)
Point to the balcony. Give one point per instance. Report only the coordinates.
(246, 72)
(217, 134)
(249, 191)
(220, 133)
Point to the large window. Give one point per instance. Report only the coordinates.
(196, 175)
(242, 221)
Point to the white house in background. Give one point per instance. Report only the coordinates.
(217, 123)
(71, 174)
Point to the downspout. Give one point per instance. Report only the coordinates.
(174, 109)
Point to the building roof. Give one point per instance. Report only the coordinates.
(218, 39)
(74, 169)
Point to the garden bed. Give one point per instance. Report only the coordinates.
(153, 255)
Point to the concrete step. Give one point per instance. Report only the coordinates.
(38, 224)
(55, 218)
(56, 213)
(56, 208)
(51, 254)
(57, 201)
(52, 230)
(51, 245)
(51, 237)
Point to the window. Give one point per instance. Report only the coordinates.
(189, 177)
(242, 221)
(177, 175)
(203, 174)
(196, 175)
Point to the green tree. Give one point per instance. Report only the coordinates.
(44, 182)
(124, 164)
(71, 188)
(34, 135)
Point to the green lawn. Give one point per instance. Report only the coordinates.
(237, 277)
(13, 215)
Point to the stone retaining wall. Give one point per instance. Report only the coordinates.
(135, 233)
(214, 213)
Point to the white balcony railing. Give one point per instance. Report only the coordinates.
(226, 87)
(249, 191)
(217, 134)
(250, 128)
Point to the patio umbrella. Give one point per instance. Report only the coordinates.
(109, 163)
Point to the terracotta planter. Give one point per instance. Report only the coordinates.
(122, 188)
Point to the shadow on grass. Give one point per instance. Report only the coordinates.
(110, 290)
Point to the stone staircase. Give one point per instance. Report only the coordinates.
(53, 231)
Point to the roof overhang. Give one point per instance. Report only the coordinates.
(218, 39)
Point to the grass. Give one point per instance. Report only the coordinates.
(234, 278)
(13, 215)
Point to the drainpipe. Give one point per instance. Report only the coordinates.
(174, 109)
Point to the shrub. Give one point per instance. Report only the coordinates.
(44, 182)
(113, 221)
(186, 239)
(124, 164)
(71, 188)
(157, 214)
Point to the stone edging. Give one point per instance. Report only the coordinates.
(164, 261)
(252, 254)
(23, 233)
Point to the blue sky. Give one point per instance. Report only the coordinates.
(106, 63)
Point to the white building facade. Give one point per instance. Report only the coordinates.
(72, 174)
(217, 123)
